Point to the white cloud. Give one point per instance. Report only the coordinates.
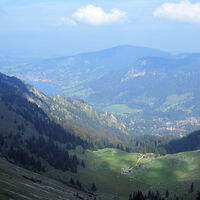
(95, 16)
(182, 11)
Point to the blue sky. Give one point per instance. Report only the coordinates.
(48, 28)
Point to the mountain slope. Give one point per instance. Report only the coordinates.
(25, 127)
(30, 137)
(21, 184)
(190, 142)
(76, 113)
(76, 116)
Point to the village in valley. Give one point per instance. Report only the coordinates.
(161, 125)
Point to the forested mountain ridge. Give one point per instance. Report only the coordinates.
(25, 127)
(190, 142)
(76, 113)
(75, 116)
(80, 117)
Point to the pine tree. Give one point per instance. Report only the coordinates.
(71, 181)
(93, 188)
(157, 195)
(149, 194)
(167, 194)
(83, 164)
(78, 184)
(127, 149)
(192, 188)
(198, 196)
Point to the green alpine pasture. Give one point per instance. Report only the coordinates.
(108, 169)
(120, 109)
(175, 102)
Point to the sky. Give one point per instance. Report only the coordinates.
(53, 28)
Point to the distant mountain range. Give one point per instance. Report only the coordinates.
(67, 74)
(131, 82)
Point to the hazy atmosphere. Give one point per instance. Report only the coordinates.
(42, 28)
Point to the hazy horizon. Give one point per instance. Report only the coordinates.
(44, 28)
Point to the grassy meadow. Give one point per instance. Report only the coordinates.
(174, 172)
(106, 168)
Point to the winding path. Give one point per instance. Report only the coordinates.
(137, 161)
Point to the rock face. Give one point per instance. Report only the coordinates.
(131, 74)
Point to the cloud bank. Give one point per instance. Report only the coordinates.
(183, 11)
(95, 16)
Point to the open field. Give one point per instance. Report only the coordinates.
(173, 172)
(120, 109)
(175, 102)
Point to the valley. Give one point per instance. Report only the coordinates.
(147, 85)
(99, 150)
(99, 100)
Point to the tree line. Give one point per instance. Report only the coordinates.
(151, 195)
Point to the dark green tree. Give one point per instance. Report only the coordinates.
(167, 194)
(198, 196)
(78, 184)
(83, 164)
(192, 188)
(93, 188)
(71, 181)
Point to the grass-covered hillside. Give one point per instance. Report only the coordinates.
(115, 173)
(120, 173)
